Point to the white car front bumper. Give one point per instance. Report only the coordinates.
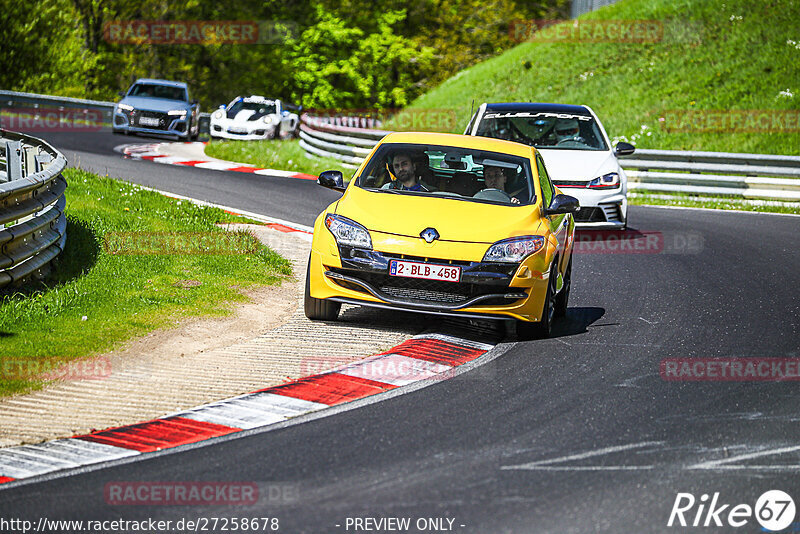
(600, 208)
(227, 130)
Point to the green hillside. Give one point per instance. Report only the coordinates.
(712, 56)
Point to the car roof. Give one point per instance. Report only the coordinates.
(537, 106)
(161, 82)
(460, 141)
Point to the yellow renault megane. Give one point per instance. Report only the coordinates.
(445, 224)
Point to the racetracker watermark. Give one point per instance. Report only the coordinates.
(43, 119)
(43, 369)
(730, 369)
(199, 32)
(181, 493)
(636, 242)
(404, 120)
(586, 31)
(730, 120)
(172, 243)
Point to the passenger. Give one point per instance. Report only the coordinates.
(408, 175)
(495, 178)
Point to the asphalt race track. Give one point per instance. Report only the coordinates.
(577, 433)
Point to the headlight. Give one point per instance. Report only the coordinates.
(218, 114)
(177, 112)
(514, 250)
(348, 232)
(607, 181)
(267, 119)
(125, 107)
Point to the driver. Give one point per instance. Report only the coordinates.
(568, 130)
(496, 178)
(406, 172)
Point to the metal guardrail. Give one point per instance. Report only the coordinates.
(33, 228)
(10, 100)
(579, 7)
(751, 176)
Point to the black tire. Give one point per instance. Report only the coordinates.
(318, 309)
(542, 329)
(563, 297)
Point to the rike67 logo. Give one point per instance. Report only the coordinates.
(774, 510)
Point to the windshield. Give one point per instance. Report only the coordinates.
(544, 129)
(452, 172)
(151, 90)
(260, 108)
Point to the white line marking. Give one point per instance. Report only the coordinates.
(718, 464)
(249, 214)
(216, 165)
(584, 455)
(717, 210)
(588, 468)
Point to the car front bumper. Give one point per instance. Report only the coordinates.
(486, 290)
(126, 123)
(600, 208)
(222, 130)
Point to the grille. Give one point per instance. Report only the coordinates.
(611, 212)
(415, 289)
(163, 119)
(570, 183)
(590, 215)
(423, 294)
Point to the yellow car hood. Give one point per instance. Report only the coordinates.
(455, 220)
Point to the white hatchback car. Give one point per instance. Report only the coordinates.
(576, 152)
(254, 117)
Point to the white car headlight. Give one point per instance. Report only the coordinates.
(514, 250)
(348, 232)
(125, 107)
(179, 112)
(267, 119)
(607, 181)
(218, 114)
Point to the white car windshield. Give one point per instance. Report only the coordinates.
(450, 172)
(260, 108)
(544, 129)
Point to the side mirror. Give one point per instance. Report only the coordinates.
(332, 180)
(121, 93)
(624, 149)
(563, 204)
(222, 106)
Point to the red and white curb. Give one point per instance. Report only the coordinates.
(422, 358)
(152, 152)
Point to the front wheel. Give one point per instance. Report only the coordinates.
(563, 297)
(543, 328)
(318, 309)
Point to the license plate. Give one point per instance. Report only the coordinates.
(237, 130)
(147, 121)
(427, 271)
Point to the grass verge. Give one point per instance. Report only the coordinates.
(643, 198)
(285, 155)
(715, 59)
(134, 261)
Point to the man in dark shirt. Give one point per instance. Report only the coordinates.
(407, 174)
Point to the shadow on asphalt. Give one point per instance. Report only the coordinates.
(577, 321)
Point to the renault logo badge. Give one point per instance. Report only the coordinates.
(429, 235)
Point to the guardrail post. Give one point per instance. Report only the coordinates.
(13, 161)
